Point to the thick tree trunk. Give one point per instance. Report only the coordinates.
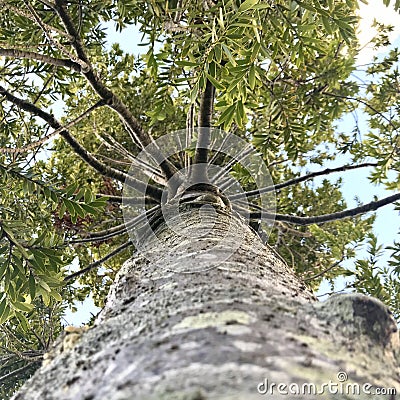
(186, 327)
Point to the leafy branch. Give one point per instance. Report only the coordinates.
(57, 62)
(140, 136)
(105, 170)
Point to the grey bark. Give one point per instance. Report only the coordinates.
(221, 331)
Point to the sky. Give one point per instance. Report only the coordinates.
(355, 182)
(375, 9)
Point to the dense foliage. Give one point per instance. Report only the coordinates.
(283, 75)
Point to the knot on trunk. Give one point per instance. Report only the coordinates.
(356, 315)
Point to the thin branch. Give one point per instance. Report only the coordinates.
(323, 272)
(127, 200)
(225, 169)
(4, 150)
(292, 219)
(361, 101)
(116, 230)
(134, 162)
(16, 371)
(105, 170)
(98, 262)
(22, 13)
(300, 179)
(31, 55)
(108, 236)
(189, 135)
(84, 66)
(285, 229)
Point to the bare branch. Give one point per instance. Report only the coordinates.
(320, 219)
(98, 262)
(105, 170)
(300, 179)
(144, 167)
(31, 55)
(102, 235)
(189, 135)
(116, 230)
(323, 272)
(127, 200)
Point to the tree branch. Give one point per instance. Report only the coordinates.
(116, 230)
(6, 150)
(16, 371)
(105, 170)
(6, 5)
(300, 179)
(203, 139)
(31, 55)
(292, 219)
(126, 200)
(113, 101)
(310, 278)
(84, 66)
(98, 262)
(365, 103)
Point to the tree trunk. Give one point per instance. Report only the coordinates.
(198, 324)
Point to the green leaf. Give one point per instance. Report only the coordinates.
(32, 286)
(252, 77)
(5, 314)
(229, 54)
(218, 53)
(71, 189)
(69, 206)
(19, 264)
(25, 307)
(194, 93)
(215, 83)
(89, 209)
(246, 5)
(11, 236)
(3, 304)
(62, 210)
(24, 323)
(183, 63)
(3, 266)
(45, 286)
(226, 116)
(56, 295)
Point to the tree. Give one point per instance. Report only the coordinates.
(275, 75)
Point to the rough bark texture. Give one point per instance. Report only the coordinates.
(220, 332)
